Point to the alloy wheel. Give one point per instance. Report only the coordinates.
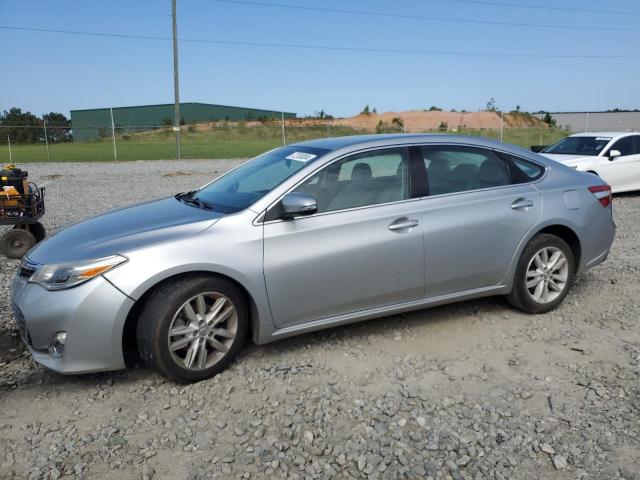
(547, 275)
(203, 330)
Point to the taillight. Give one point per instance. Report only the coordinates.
(602, 193)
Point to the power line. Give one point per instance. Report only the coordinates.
(93, 34)
(424, 17)
(472, 2)
(92, 12)
(320, 47)
(542, 7)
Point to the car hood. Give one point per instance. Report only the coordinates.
(568, 159)
(123, 230)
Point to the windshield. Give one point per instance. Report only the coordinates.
(251, 181)
(578, 146)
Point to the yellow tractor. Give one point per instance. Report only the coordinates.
(22, 206)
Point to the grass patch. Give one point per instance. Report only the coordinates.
(226, 140)
(524, 137)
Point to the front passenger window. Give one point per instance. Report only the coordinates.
(370, 178)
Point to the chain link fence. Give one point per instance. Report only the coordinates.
(208, 141)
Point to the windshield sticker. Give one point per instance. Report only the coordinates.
(301, 156)
(603, 139)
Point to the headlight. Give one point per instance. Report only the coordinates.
(72, 274)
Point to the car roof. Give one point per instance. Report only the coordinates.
(604, 134)
(374, 140)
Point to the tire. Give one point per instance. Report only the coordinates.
(37, 229)
(16, 243)
(542, 295)
(168, 308)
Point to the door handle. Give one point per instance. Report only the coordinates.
(403, 223)
(521, 203)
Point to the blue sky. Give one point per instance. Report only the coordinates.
(45, 72)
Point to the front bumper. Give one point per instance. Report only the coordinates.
(92, 314)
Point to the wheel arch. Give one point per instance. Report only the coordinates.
(129, 341)
(568, 235)
(553, 227)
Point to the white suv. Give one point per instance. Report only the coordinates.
(614, 156)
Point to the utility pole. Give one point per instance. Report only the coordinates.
(284, 139)
(46, 138)
(113, 135)
(176, 86)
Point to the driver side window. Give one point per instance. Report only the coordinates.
(370, 178)
(624, 145)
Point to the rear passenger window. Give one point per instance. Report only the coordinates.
(522, 170)
(452, 168)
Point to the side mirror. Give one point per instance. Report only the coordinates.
(613, 154)
(296, 204)
(538, 148)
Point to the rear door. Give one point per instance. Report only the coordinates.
(479, 207)
(362, 250)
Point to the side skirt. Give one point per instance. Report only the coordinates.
(353, 317)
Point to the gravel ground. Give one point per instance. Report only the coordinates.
(474, 390)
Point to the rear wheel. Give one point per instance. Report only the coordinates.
(190, 330)
(16, 243)
(544, 275)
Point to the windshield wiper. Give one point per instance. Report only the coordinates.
(188, 198)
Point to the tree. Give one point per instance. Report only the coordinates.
(491, 105)
(517, 108)
(20, 126)
(443, 127)
(365, 110)
(398, 123)
(321, 115)
(549, 120)
(433, 108)
(58, 127)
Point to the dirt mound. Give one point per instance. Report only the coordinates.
(419, 121)
(414, 121)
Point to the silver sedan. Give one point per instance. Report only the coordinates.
(305, 237)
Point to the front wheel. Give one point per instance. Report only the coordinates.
(190, 330)
(16, 243)
(545, 272)
(36, 229)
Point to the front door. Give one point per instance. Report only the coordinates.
(362, 250)
(623, 172)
